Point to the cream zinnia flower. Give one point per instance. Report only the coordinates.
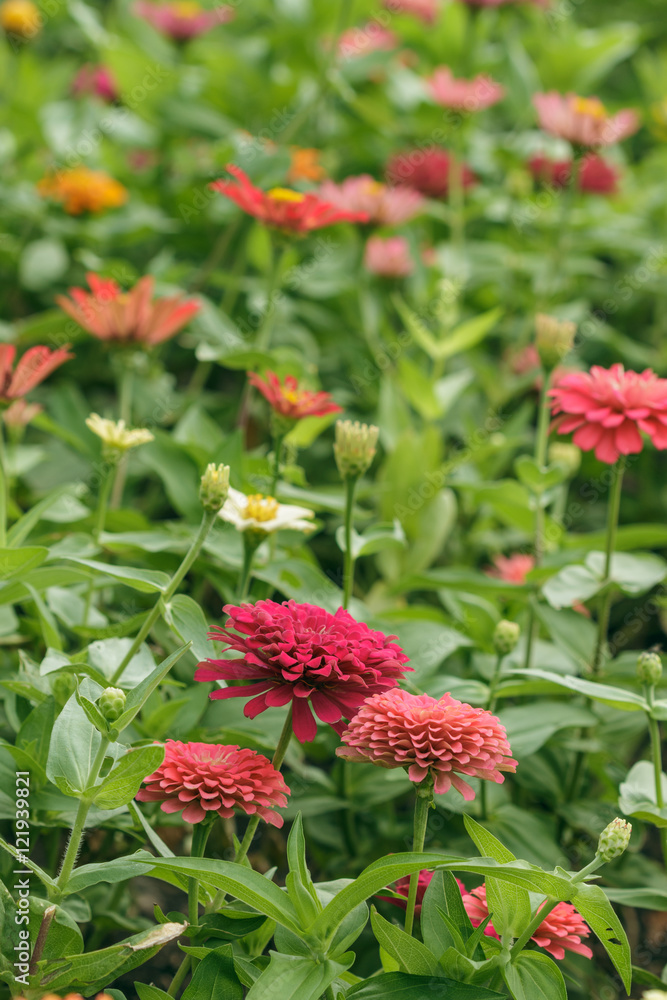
(263, 513)
(115, 435)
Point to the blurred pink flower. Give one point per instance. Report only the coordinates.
(583, 121)
(463, 95)
(402, 887)
(512, 569)
(384, 205)
(181, 20)
(33, 367)
(502, 3)
(388, 257)
(97, 81)
(595, 175)
(425, 10)
(21, 412)
(426, 170)
(367, 38)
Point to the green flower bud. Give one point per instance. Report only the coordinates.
(214, 487)
(554, 339)
(355, 447)
(614, 839)
(63, 687)
(568, 456)
(505, 637)
(111, 704)
(649, 668)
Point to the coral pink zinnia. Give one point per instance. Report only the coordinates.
(402, 887)
(426, 170)
(135, 316)
(385, 206)
(443, 738)
(301, 654)
(367, 38)
(282, 208)
(390, 257)
(182, 20)
(288, 400)
(424, 10)
(201, 778)
(36, 364)
(463, 95)
(608, 408)
(512, 569)
(583, 121)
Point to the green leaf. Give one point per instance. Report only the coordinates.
(437, 933)
(643, 899)
(118, 870)
(124, 781)
(22, 528)
(571, 585)
(47, 622)
(293, 977)
(299, 882)
(74, 744)
(468, 334)
(634, 573)
(42, 263)
(147, 581)
(617, 697)
(600, 916)
(214, 977)
(412, 956)
(534, 976)
(140, 694)
(375, 539)
(146, 991)
(637, 796)
(530, 726)
(14, 561)
(535, 478)
(399, 986)
(509, 905)
(187, 620)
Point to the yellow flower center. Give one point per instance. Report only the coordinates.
(260, 508)
(375, 187)
(589, 106)
(284, 194)
(292, 395)
(186, 8)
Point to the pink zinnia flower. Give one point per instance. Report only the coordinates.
(443, 738)
(182, 20)
(370, 37)
(132, 317)
(463, 95)
(36, 364)
(502, 3)
(20, 413)
(402, 886)
(290, 401)
(388, 257)
(426, 170)
(512, 569)
(386, 206)
(425, 10)
(301, 654)
(282, 208)
(97, 81)
(200, 778)
(608, 408)
(583, 121)
(595, 175)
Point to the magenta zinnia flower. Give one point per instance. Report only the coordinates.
(97, 81)
(426, 170)
(463, 95)
(300, 653)
(608, 408)
(200, 778)
(386, 206)
(443, 738)
(595, 175)
(390, 257)
(425, 10)
(583, 121)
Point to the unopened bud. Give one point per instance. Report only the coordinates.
(214, 486)
(554, 339)
(355, 447)
(111, 703)
(505, 637)
(568, 456)
(614, 839)
(649, 668)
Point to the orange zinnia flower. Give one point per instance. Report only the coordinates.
(305, 165)
(82, 190)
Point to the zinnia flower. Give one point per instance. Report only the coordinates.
(115, 435)
(361, 41)
(595, 175)
(301, 654)
(201, 778)
(264, 514)
(388, 257)
(281, 208)
(288, 400)
(305, 165)
(424, 10)
(129, 317)
(182, 20)
(441, 738)
(97, 81)
(20, 413)
(608, 408)
(82, 190)
(426, 170)
(385, 206)
(512, 569)
(20, 18)
(502, 3)
(402, 887)
(583, 121)
(36, 364)
(463, 95)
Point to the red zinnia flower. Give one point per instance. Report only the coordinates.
(402, 886)
(133, 316)
(282, 208)
(300, 653)
(426, 170)
(511, 569)
(200, 778)
(441, 737)
(97, 81)
(595, 175)
(583, 120)
(463, 95)
(607, 409)
(288, 400)
(36, 364)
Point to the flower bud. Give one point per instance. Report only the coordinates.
(214, 486)
(568, 456)
(649, 668)
(111, 704)
(505, 637)
(116, 437)
(614, 839)
(62, 687)
(355, 447)
(554, 339)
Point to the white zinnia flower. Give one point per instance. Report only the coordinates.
(115, 434)
(262, 513)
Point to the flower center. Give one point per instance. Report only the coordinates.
(260, 508)
(284, 194)
(186, 8)
(589, 106)
(292, 395)
(375, 188)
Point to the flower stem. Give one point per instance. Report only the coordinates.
(80, 820)
(490, 706)
(656, 753)
(541, 443)
(4, 487)
(456, 202)
(612, 528)
(539, 917)
(250, 546)
(348, 557)
(277, 451)
(266, 327)
(207, 522)
(98, 528)
(422, 806)
(199, 837)
(125, 388)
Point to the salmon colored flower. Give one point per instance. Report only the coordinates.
(305, 165)
(583, 121)
(425, 10)
(609, 408)
(281, 208)
(20, 413)
(384, 205)
(289, 400)
(426, 170)
(96, 81)
(369, 37)
(301, 654)
(203, 778)
(595, 175)
(82, 190)
(389, 257)
(512, 569)
(463, 95)
(127, 317)
(182, 20)
(441, 738)
(36, 364)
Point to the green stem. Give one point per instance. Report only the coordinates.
(524, 938)
(422, 806)
(457, 202)
(200, 835)
(656, 753)
(250, 546)
(207, 522)
(4, 488)
(179, 978)
(612, 528)
(490, 706)
(85, 803)
(348, 558)
(277, 451)
(541, 444)
(98, 528)
(125, 389)
(263, 338)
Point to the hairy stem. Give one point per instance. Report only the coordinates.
(422, 806)
(348, 557)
